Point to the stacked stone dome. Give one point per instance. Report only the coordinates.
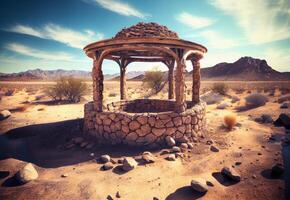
(146, 30)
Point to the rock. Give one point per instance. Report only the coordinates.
(165, 151)
(27, 173)
(109, 197)
(190, 145)
(64, 175)
(179, 155)
(277, 170)
(134, 125)
(148, 158)
(170, 141)
(129, 164)
(238, 163)
(214, 148)
(199, 185)
(283, 120)
(4, 114)
(223, 105)
(175, 149)
(209, 142)
(183, 146)
(170, 157)
(231, 174)
(108, 166)
(118, 194)
(155, 198)
(284, 106)
(105, 158)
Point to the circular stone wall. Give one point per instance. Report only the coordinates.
(144, 122)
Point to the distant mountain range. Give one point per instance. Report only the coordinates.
(244, 69)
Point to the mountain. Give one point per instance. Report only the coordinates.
(244, 69)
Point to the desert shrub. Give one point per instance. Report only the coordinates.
(9, 92)
(153, 79)
(256, 100)
(230, 121)
(220, 88)
(67, 88)
(211, 98)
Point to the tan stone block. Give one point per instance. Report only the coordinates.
(177, 121)
(134, 125)
(132, 136)
(107, 129)
(107, 121)
(151, 121)
(142, 119)
(159, 124)
(158, 131)
(170, 131)
(150, 138)
(125, 129)
(169, 124)
(146, 129)
(193, 120)
(182, 128)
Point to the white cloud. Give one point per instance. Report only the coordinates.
(28, 51)
(216, 40)
(194, 21)
(120, 7)
(278, 58)
(58, 33)
(262, 20)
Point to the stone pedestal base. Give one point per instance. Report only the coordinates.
(144, 122)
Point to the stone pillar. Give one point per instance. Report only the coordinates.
(98, 84)
(170, 65)
(195, 78)
(123, 93)
(180, 104)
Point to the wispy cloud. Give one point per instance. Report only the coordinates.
(194, 21)
(262, 20)
(216, 40)
(36, 53)
(120, 7)
(278, 58)
(58, 33)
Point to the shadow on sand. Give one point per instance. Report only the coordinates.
(41, 144)
(184, 193)
(223, 180)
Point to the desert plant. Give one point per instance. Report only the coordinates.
(112, 94)
(220, 88)
(67, 88)
(230, 121)
(255, 100)
(211, 98)
(153, 79)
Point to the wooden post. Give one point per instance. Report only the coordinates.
(98, 84)
(195, 78)
(180, 105)
(123, 63)
(170, 65)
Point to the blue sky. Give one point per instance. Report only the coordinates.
(51, 34)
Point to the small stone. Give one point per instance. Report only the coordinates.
(148, 158)
(238, 163)
(170, 141)
(155, 198)
(27, 173)
(4, 114)
(199, 185)
(214, 148)
(170, 157)
(183, 146)
(190, 145)
(175, 149)
(129, 164)
(108, 166)
(209, 142)
(105, 158)
(277, 170)
(64, 175)
(179, 154)
(118, 194)
(254, 176)
(109, 197)
(165, 151)
(231, 174)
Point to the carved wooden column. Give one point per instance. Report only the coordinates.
(195, 77)
(123, 63)
(180, 104)
(98, 84)
(170, 65)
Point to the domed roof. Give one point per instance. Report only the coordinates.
(146, 30)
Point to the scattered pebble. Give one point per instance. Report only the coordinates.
(175, 149)
(105, 158)
(170, 157)
(199, 185)
(170, 141)
(108, 166)
(118, 194)
(214, 148)
(231, 174)
(129, 164)
(26, 174)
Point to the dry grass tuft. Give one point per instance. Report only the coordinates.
(230, 121)
(220, 88)
(256, 100)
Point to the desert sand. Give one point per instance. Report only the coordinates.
(38, 132)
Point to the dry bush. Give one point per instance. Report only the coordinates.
(211, 98)
(67, 88)
(230, 121)
(220, 88)
(153, 79)
(113, 94)
(255, 100)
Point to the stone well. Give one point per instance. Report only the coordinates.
(144, 122)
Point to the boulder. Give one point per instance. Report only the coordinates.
(170, 141)
(283, 120)
(199, 185)
(105, 158)
(264, 119)
(4, 114)
(148, 158)
(214, 148)
(231, 174)
(27, 173)
(129, 164)
(170, 157)
(108, 166)
(175, 149)
(183, 145)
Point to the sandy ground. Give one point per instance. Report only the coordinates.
(38, 133)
